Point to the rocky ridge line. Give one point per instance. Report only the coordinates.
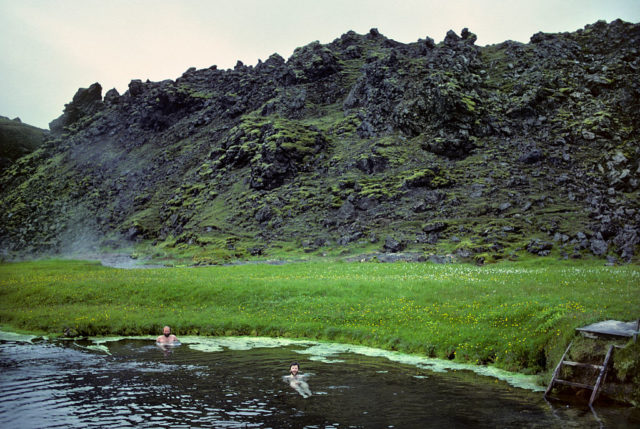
(364, 143)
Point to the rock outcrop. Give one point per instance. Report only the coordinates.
(437, 149)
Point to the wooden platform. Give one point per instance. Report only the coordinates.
(606, 329)
(612, 328)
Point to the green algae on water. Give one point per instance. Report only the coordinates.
(14, 337)
(324, 351)
(217, 344)
(329, 352)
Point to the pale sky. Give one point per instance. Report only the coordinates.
(50, 48)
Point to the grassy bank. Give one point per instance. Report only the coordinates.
(516, 316)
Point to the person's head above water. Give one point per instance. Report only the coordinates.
(297, 380)
(167, 337)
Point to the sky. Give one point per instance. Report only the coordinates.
(50, 48)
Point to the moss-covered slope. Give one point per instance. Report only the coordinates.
(358, 146)
(16, 140)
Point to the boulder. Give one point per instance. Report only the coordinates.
(476, 190)
(598, 247)
(539, 247)
(112, 97)
(607, 228)
(558, 237)
(626, 241)
(400, 257)
(393, 245)
(136, 87)
(366, 203)
(314, 61)
(419, 207)
(264, 214)
(372, 164)
(504, 206)
(86, 102)
(353, 52)
(451, 39)
(440, 259)
(434, 227)
(468, 36)
(346, 212)
(350, 238)
(374, 34)
(532, 156)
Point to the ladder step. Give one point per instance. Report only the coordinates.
(574, 384)
(556, 371)
(602, 376)
(582, 365)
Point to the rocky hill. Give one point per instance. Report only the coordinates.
(17, 140)
(358, 147)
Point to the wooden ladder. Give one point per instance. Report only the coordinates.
(595, 388)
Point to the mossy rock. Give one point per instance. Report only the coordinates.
(427, 178)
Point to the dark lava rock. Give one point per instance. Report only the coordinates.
(401, 257)
(316, 61)
(136, 87)
(440, 259)
(264, 214)
(419, 207)
(346, 239)
(372, 164)
(539, 247)
(626, 241)
(464, 253)
(451, 38)
(86, 102)
(346, 212)
(366, 203)
(532, 156)
(434, 227)
(393, 245)
(598, 247)
(504, 206)
(112, 97)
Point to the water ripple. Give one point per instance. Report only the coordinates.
(139, 385)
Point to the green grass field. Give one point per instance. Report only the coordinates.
(518, 316)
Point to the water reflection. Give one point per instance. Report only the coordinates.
(137, 384)
(167, 349)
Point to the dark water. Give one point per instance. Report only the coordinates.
(63, 384)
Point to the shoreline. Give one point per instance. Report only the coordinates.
(316, 350)
(516, 317)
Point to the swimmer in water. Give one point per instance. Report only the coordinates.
(296, 380)
(167, 337)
